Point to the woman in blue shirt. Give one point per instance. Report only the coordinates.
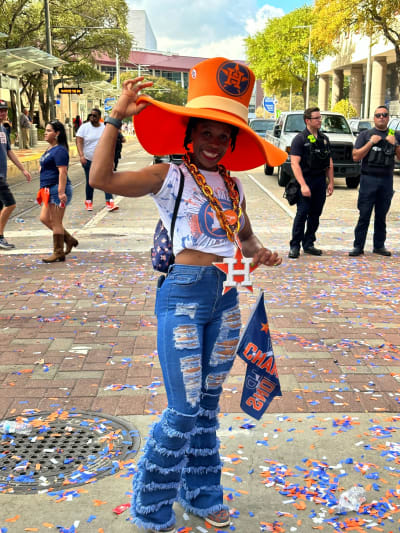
(55, 190)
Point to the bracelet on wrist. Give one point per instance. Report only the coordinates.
(116, 122)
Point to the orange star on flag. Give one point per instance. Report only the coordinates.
(237, 270)
(265, 327)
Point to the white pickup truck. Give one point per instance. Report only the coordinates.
(335, 126)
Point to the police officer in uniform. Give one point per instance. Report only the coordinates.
(376, 149)
(311, 162)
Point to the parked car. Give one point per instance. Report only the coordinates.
(335, 125)
(172, 158)
(359, 124)
(262, 125)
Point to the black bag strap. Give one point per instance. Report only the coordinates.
(176, 208)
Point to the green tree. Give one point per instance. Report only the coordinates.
(162, 89)
(373, 18)
(75, 37)
(279, 53)
(346, 108)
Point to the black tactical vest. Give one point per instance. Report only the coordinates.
(317, 154)
(382, 153)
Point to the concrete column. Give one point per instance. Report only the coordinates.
(378, 83)
(323, 92)
(337, 87)
(356, 87)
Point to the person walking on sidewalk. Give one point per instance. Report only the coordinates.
(25, 125)
(376, 149)
(55, 190)
(7, 200)
(87, 137)
(198, 324)
(311, 162)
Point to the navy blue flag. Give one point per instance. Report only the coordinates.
(261, 383)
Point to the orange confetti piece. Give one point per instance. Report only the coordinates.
(14, 518)
(300, 506)
(48, 525)
(97, 503)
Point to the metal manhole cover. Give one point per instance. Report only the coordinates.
(65, 449)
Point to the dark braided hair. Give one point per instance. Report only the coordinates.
(192, 124)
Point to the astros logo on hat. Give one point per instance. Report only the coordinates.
(220, 90)
(233, 78)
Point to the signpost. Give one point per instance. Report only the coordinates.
(269, 104)
(70, 90)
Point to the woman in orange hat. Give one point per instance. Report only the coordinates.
(198, 321)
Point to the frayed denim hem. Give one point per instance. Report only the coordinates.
(151, 467)
(192, 494)
(206, 429)
(151, 487)
(201, 470)
(204, 452)
(151, 525)
(168, 453)
(169, 431)
(147, 509)
(203, 513)
(208, 413)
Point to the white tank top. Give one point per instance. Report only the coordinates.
(197, 226)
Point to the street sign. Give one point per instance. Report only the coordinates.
(269, 105)
(70, 90)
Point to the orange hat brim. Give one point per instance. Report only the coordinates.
(160, 129)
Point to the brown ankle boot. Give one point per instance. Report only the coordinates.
(58, 254)
(70, 242)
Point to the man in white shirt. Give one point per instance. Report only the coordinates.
(87, 137)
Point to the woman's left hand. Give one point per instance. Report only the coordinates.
(265, 257)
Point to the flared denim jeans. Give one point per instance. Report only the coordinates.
(198, 331)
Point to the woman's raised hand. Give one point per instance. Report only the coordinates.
(126, 104)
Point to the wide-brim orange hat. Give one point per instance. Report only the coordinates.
(219, 89)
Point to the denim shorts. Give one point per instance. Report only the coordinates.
(54, 199)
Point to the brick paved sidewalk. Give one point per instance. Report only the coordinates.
(83, 334)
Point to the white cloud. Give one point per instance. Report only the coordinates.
(205, 28)
(253, 25)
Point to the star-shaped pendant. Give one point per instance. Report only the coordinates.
(237, 270)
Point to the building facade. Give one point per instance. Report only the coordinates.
(139, 26)
(370, 66)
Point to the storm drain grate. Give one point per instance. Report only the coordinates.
(65, 449)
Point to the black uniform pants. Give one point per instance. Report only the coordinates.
(309, 209)
(374, 192)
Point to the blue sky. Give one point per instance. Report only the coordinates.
(208, 28)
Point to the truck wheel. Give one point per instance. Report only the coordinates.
(268, 170)
(283, 177)
(353, 183)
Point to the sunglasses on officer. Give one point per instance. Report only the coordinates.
(381, 115)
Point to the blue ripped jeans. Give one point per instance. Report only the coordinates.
(198, 331)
